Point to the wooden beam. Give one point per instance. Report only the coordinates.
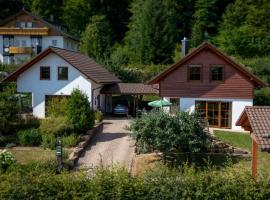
(254, 158)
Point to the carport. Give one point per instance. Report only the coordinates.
(134, 90)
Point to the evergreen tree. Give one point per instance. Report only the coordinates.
(76, 15)
(97, 39)
(245, 28)
(207, 16)
(152, 32)
(48, 8)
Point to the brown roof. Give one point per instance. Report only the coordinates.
(207, 45)
(257, 120)
(49, 24)
(83, 63)
(129, 88)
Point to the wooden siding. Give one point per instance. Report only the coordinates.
(234, 85)
(25, 18)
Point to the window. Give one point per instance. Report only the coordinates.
(62, 73)
(29, 25)
(216, 73)
(194, 72)
(45, 73)
(24, 44)
(54, 43)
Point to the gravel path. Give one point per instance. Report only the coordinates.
(113, 146)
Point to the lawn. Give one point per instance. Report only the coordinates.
(27, 154)
(243, 140)
(236, 139)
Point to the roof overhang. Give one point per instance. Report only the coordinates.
(206, 45)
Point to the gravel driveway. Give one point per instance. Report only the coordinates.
(113, 146)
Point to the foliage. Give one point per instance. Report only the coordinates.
(6, 69)
(48, 8)
(152, 32)
(79, 112)
(48, 141)
(184, 132)
(206, 18)
(7, 139)
(57, 107)
(70, 140)
(6, 159)
(56, 126)
(76, 15)
(8, 108)
(262, 97)
(29, 137)
(29, 122)
(117, 183)
(245, 28)
(98, 116)
(97, 39)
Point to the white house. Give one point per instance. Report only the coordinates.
(57, 72)
(24, 35)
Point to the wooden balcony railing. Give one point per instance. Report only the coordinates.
(20, 50)
(23, 31)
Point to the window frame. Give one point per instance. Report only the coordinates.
(201, 72)
(211, 74)
(40, 73)
(58, 70)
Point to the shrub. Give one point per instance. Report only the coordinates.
(29, 122)
(6, 139)
(57, 107)
(56, 126)
(70, 141)
(98, 116)
(48, 141)
(79, 112)
(163, 132)
(6, 159)
(262, 97)
(29, 137)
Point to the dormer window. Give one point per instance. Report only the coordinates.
(217, 73)
(194, 73)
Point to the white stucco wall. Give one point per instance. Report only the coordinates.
(29, 81)
(1, 49)
(238, 105)
(47, 41)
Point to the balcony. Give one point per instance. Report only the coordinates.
(23, 31)
(20, 50)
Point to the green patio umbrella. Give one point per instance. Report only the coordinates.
(159, 103)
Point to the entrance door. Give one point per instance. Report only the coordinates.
(217, 113)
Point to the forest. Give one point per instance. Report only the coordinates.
(136, 39)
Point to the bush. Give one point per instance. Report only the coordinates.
(56, 126)
(79, 112)
(29, 137)
(57, 107)
(6, 139)
(70, 141)
(262, 97)
(48, 141)
(165, 133)
(98, 116)
(6, 159)
(29, 122)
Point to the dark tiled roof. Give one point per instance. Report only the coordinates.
(86, 65)
(259, 121)
(129, 88)
(83, 63)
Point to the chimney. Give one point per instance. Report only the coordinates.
(184, 49)
(51, 17)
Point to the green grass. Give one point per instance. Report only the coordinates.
(28, 154)
(237, 139)
(243, 140)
